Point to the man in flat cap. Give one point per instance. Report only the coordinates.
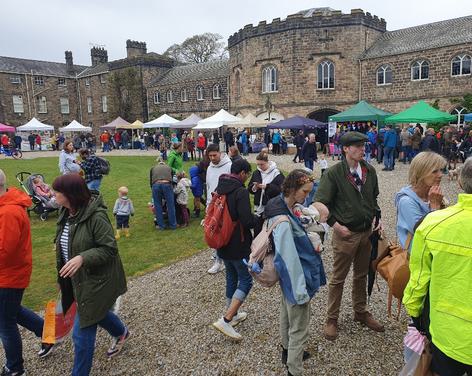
(349, 189)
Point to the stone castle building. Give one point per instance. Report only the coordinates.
(314, 63)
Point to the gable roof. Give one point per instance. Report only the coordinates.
(38, 67)
(193, 72)
(423, 37)
(94, 70)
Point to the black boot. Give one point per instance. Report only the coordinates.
(306, 355)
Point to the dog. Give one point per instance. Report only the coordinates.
(454, 174)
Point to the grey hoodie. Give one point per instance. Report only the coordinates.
(214, 172)
(123, 206)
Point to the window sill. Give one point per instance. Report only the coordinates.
(420, 79)
(270, 92)
(327, 89)
(383, 85)
(200, 100)
(217, 98)
(460, 75)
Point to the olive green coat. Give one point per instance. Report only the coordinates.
(101, 279)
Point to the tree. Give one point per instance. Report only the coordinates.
(465, 101)
(198, 49)
(125, 89)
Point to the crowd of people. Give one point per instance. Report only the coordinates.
(434, 233)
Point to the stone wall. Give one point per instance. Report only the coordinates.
(403, 91)
(296, 52)
(95, 90)
(30, 92)
(203, 108)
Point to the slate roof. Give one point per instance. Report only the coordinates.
(92, 71)
(45, 68)
(193, 72)
(423, 37)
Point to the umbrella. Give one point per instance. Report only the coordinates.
(374, 240)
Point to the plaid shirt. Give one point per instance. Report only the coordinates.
(91, 167)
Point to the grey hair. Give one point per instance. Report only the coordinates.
(3, 180)
(466, 176)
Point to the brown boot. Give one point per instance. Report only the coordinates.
(368, 320)
(331, 329)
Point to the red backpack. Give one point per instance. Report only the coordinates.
(218, 224)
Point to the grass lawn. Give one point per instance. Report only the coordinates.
(146, 249)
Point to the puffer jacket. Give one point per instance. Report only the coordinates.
(15, 240)
(66, 163)
(300, 268)
(441, 263)
(101, 279)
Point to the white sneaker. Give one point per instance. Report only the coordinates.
(227, 329)
(240, 317)
(217, 267)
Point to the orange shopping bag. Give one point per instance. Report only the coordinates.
(57, 325)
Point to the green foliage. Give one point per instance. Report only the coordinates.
(465, 101)
(146, 250)
(125, 89)
(435, 104)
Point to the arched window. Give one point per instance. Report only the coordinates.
(183, 95)
(420, 70)
(384, 75)
(217, 91)
(326, 75)
(460, 112)
(199, 93)
(269, 79)
(460, 65)
(237, 83)
(157, 97)
(170, 96)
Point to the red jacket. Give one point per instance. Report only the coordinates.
(15, 240)
(5, 140)
(201, 142)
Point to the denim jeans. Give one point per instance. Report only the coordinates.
(238, 280)
(245, 149)
(94, 185)
(84, 341)
(388, 157)
(185, 156)
(309, 164)
(160, 192)
(13, 314)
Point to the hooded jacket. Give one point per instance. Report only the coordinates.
(239, 206)
(410, 209)
(15, 240)
(273, 179)
(213, 174)
(175, 161)
(300, 268)
(101, 279)
(441, 264)
(197, 184)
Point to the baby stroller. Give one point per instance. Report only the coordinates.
(41, 205)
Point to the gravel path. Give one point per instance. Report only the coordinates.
(170, 311)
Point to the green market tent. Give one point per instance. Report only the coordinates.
(421, 112)
(362, 111)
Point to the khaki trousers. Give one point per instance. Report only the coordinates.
(354, 250)
(294, 323)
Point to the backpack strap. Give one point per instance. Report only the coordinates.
(282, 218)
(408, 240)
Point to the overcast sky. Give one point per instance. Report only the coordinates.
(43, 30)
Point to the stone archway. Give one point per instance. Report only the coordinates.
(322, 114)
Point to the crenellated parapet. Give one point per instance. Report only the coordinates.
(315, 19)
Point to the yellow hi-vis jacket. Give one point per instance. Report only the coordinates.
(441, 260)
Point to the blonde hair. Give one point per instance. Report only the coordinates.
(123, 190)
(263, 156)
(423, 165)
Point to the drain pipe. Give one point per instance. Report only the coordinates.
(360, 80)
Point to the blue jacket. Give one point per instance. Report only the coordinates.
(410, 209)
(300, 268)
(276, 138)
(390, 139)
(197, 184)
(372, 137)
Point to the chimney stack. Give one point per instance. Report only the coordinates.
(99, 55)
(135, 48)
(69, 62)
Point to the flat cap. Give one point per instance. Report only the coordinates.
(352, 137)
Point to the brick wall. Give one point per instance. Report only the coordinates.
(95, 90)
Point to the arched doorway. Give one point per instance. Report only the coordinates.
(322, 115)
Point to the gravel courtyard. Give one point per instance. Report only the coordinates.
(170, 311)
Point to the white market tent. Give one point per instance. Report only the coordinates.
(164, 121)
(250, 121)
(34, 125)
(217, 120)
(75, 126)
(188, 123)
